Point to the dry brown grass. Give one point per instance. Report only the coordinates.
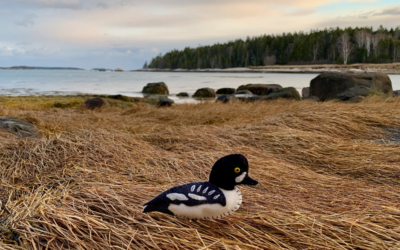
(325, 181)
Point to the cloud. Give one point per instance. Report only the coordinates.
(90, 4)
(389, 12)
(70, 4)
(374, 13)
(90, 30)
(365, 15)
(58, 4)
(26, 21)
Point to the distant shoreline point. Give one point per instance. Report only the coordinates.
(41, 68)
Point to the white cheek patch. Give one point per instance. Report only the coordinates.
(197, 197)
(176, 196)
(240, 178)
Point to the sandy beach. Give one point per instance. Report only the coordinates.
(390, 68)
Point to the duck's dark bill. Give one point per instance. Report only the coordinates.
(249, 181)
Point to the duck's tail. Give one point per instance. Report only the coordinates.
(148, 208)
(154, 206)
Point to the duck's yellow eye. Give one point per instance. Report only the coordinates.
(237, 170)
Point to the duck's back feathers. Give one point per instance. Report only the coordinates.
(190, 195)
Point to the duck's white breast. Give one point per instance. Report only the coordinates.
(210, 211)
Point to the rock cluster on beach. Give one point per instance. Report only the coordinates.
(260, 92)
(346, 86)
(260, 89)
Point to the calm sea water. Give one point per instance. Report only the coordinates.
(50, 82)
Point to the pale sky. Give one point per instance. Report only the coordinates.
(126, 33)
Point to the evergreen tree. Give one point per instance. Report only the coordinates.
(317, 46)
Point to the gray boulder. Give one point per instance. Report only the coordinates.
(260, 89)
(95, 103)
(226, 91)
(205, 93)
(20, 128)
(286, 93)
(396, 92)
(329, 84)
(156, 88)
(165, 102)
(183, 94)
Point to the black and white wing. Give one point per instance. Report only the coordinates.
(191, 194)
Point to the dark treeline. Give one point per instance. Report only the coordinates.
(351, 45)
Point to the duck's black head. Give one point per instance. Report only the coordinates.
(231, 170)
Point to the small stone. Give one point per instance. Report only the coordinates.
(20, 128)
(165, 102)
(183, 94)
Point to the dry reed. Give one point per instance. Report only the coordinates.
(329, 177)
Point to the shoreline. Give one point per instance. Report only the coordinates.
(391, 69)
